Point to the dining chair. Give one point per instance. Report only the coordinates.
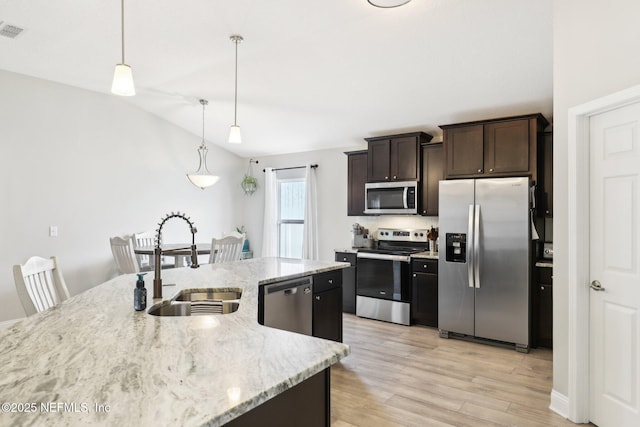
(123, 255)
(145, 238)
(227, 249)
(40, 284)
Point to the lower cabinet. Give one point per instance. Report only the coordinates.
(542, 308)
(348, 281)
(327, 305)
(424, 296)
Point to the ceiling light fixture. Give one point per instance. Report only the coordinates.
(388, 3)
(202, 178)
(234, 133)
(123, 77)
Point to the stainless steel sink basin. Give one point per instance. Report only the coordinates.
(199, 302)
(208, 295)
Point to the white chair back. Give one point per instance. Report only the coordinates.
(146, 238)
(40, 284)
(123, 255)
(226, 249)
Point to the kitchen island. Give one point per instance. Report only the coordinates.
(93, 360)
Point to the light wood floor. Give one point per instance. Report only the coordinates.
(407, 376)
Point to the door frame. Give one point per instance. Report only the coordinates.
(578, 146)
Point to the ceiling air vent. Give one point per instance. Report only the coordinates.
(10, 31)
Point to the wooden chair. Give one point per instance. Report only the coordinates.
(226, 249)
(146, 238)
(123, 255)
(40, 284)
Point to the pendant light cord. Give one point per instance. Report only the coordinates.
(203, 102)
(235, 103)
(122, 29)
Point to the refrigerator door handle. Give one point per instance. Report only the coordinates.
(470, 250)
(476, 246)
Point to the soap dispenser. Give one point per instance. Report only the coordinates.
(140, 294)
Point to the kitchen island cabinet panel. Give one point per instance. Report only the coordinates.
(348, 281)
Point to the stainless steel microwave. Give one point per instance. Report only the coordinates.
(399, 198)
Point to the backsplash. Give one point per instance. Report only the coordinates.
(395, 221)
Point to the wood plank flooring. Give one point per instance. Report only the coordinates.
(409, 376)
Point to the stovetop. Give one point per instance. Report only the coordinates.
(400, 241)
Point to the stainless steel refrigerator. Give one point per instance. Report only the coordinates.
(484, 262)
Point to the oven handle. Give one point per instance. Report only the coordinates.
(384, 257)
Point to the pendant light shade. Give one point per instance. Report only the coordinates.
(202, 178)
(234, 133)
(388, 3)
(123, 77)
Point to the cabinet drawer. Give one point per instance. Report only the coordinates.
(346, 257)
(545, 276)
(425, 266)
(325, 281)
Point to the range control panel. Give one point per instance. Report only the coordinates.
(403, 235)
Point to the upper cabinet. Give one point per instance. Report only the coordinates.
(432, 174)
(395, 157)
(356, 179)
(499, 147)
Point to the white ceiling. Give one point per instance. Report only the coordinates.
(313, 74)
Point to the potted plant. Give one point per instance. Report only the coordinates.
(249, 184)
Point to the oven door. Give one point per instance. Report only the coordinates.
(384, 276)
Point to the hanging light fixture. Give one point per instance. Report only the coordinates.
(122, 77)
(234, 133)
(388, 3)
(202, 178)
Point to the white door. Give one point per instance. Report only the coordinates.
(614, 351)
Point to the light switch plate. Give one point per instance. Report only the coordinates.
(53, 231)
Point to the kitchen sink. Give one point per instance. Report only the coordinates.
(208, 295)
(199, 302)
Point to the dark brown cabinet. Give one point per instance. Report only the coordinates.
(327, 305)
(348, 281)
(432, 174)
(499, 147)
(356, 179)
(395, 157)
(545, 175)
(542, 307)
(424, 297)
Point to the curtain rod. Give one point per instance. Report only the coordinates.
(292, 167)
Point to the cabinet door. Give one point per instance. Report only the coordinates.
(507, 147)
(327, 314)
(464, 151)
(424, 297)
(432, 174)
(548, 174)
(404, 159)
(356, 179)
(348, 282)
(378, 161)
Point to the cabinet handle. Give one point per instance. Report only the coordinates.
(424, 266)
(479, 170)
(386, 177)
(317, 297)
(330, 281)
(344, 259)
(491, 170)
(542, 288)
(394, 177)
(414, 275)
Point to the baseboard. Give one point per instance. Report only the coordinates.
(559, 404)
(9, 323)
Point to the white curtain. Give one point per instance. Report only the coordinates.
(270, 228)
(310, 232)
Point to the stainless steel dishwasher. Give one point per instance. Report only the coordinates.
(288, 305)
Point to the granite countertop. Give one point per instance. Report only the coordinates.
(425, 254)
(347, 250)
(544, 263)
(94, 349)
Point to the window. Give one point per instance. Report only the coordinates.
(291, 194)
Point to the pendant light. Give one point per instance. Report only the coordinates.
(388, 3)
(234, 133)
(122, 77)
(202, 178)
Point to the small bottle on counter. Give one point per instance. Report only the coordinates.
(140, 294)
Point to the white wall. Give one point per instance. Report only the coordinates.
(96, 167)
(333, 223)
(595, 53)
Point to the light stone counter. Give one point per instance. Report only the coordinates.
(94, 349)
(425, 254)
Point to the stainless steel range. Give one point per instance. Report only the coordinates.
(383, 289)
